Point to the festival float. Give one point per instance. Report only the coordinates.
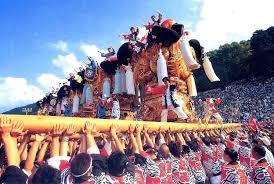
(161, 49)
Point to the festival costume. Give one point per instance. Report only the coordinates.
(194, 160)
(210, 162)
(147, 171)
(246, 160)
(210, 110)
(182, 173)
(169, 103)
(233, 174)
(100, 111)
(263, 173)
(115, 112)
(165, 166)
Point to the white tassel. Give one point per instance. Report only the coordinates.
(191, 63)
(106, 88)
(129, 81)
(117, 82)
(191, 85)
(209, 70)
(123, 82)
(161, 68)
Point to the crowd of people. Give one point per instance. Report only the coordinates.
(137, 155)
(242, 99)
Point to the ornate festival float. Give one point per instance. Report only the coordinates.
(134, 77)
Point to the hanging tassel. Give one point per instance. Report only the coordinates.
(129, 81)
(209, 70)
(106, 89)
(117, 82)
(187, 55)
(123, 82)
(161, 68)
(191, 85)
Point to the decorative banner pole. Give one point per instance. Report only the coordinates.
(39, 124)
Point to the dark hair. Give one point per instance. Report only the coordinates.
(165, 78)
(13, 175)
(193, 145)
(174, 149)
(206, 141)
(119, 164)
(46, 175)
(233, 155)
(128, 151)
(99, 164)
(260, 150)
(185, 149)
(139, 160)
(113, 51)
(80, 164)
(146, 147)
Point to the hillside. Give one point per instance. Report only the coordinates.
(18, 110)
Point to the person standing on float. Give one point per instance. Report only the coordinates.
(210, 109)
(169, 102)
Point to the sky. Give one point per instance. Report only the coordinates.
(42, 41)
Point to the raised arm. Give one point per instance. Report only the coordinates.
(149, 141)
(64, 147)
(138, 130)
(132, 139)
(24, 143)
(83, 144)
(10, 145)
(113, 133)
(42, 152)
(181, 138)
(55, 144)
(32, 153)
(90, 132)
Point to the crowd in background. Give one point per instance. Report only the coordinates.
(242, 99)
(137, 155)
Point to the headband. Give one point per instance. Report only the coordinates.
(80, 175)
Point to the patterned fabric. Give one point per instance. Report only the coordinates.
(194, 160)
(115, 111)
(182, 172)
(66, 178)
(210, 162)
(233, 174)
(165, 170)
(263, 173)
(246, 160)
(126, 179)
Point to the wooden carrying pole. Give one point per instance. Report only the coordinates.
(39, 124)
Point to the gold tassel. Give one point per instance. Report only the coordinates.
(191, 85)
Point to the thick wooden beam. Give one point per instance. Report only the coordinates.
(45, 123)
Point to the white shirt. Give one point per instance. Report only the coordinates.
(269, 157)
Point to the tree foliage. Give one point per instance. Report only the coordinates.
(239, 60)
